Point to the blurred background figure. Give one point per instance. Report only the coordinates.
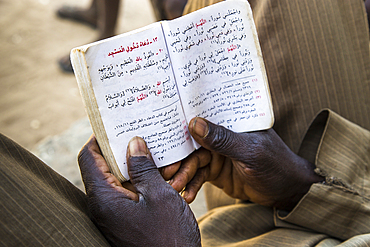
(103, 15)
(168, 9)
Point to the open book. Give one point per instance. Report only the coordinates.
(152, 81)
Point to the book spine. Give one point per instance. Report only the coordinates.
(174, 77)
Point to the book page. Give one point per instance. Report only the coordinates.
(136, 94)
(219, 68)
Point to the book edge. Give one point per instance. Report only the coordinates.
(262, 64)
(87, 92)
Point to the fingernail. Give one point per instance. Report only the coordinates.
(200, 127)
(170, 182)
(137, 147)
(185, 194)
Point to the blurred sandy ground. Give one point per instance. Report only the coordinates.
(36, 98)
(40, 106)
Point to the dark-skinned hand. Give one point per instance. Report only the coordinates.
(255, 166)
(145, 212)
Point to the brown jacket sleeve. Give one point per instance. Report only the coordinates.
(339, 207)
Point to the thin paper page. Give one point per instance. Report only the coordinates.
(137, 96)
(218, 67)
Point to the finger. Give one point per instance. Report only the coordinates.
(95, 171)
(167, 172)
(216, 169)
(219, 139)
(189, 167)
(193, 187)
(144, 175)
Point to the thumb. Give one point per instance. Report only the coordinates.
(217, 138)
(143, 173)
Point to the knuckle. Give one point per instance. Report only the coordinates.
(202, 175)
(199, 179)
(197, 161)
(141, 166)
(187, 171)
(184, 176)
